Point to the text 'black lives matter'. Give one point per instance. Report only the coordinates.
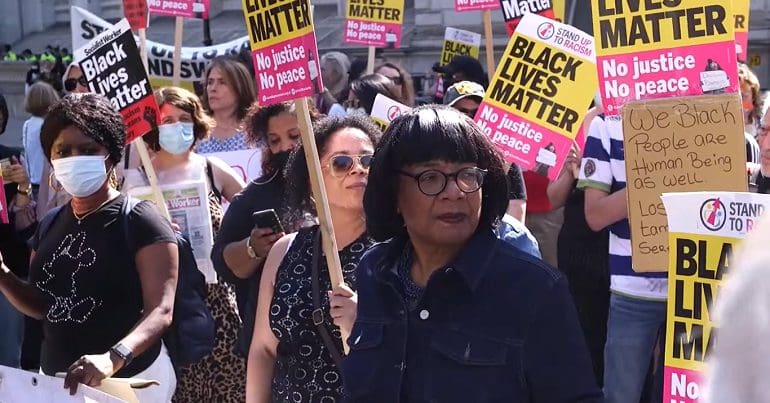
(373, 10)
(270, 19)
(528, 81)
(115, 71)
(618, 29)
(514, 9)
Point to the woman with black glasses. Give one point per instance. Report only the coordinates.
(447, 312)
(296, 348)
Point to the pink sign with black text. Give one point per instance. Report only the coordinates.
(376, 24)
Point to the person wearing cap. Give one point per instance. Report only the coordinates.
(466, 96)
(463, 68)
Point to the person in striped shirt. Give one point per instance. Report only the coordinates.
(637, 310)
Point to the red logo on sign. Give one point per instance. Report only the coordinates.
(393, 112)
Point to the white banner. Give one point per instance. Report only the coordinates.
(18, 386)
(384, 110)
(85, 26)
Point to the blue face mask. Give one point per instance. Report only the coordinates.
(176, 138)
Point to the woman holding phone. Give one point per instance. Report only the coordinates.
(242, 244)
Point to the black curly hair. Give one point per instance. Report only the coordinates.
(430, 133)
(93, 115)
(296, 173)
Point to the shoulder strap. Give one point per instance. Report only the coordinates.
(210, 175)
(318, 313)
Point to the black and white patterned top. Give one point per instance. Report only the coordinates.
(304, 369)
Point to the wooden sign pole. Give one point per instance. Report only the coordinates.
(178, 29)
(144, 155)
(490, 45)
(370, 60)
(328, 240)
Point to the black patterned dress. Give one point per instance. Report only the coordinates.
(304, 368)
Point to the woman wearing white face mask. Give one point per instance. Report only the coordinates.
(183, 123)
(104, 300)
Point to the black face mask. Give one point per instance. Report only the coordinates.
(278, 161)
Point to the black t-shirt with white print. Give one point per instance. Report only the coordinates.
(87, 274)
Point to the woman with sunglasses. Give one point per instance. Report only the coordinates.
(296, 348)
(74, 80)
(400, 78)
(448, 312)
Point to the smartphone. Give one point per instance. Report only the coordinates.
(5, 165)
(267, 219)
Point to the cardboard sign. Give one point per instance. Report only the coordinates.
(3, 203)
(704, 229)
(458, 42)
(476, 5)
(650, 50)
(85, 26)
(741, 10)
(514, 11)
(384, 110)
(284, 49)
(180, 8)
(540, 94)
(112, 67)
(374, 23)
(677, 145)
(136, 13)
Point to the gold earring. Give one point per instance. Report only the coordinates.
(52, 183)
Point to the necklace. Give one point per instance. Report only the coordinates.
(83, 217)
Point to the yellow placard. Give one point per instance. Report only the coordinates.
(559, 9)
(544, 82)
(741, 9)
(624, 26)
(384, 11)
(458, 42)
(697, 264)
(270, 23)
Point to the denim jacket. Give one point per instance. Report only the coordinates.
(515, 233)
(496, 325)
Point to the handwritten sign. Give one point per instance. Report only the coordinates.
(540, 93)
(515, 10)
(111, 65)
(284, 49)
(374, 23)
(705, 229)
(476, 5)
(458, 42)
(741, 10)
(677, 145)
(651, 50)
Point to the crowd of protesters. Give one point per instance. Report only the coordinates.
(465, 280)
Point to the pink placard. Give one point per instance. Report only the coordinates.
(288, 70)
(673, 72)
(528, 145)
(476, 5)
(180, 8)
(742, 45)
(682, 385)
(3, 204)
(371, 33)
